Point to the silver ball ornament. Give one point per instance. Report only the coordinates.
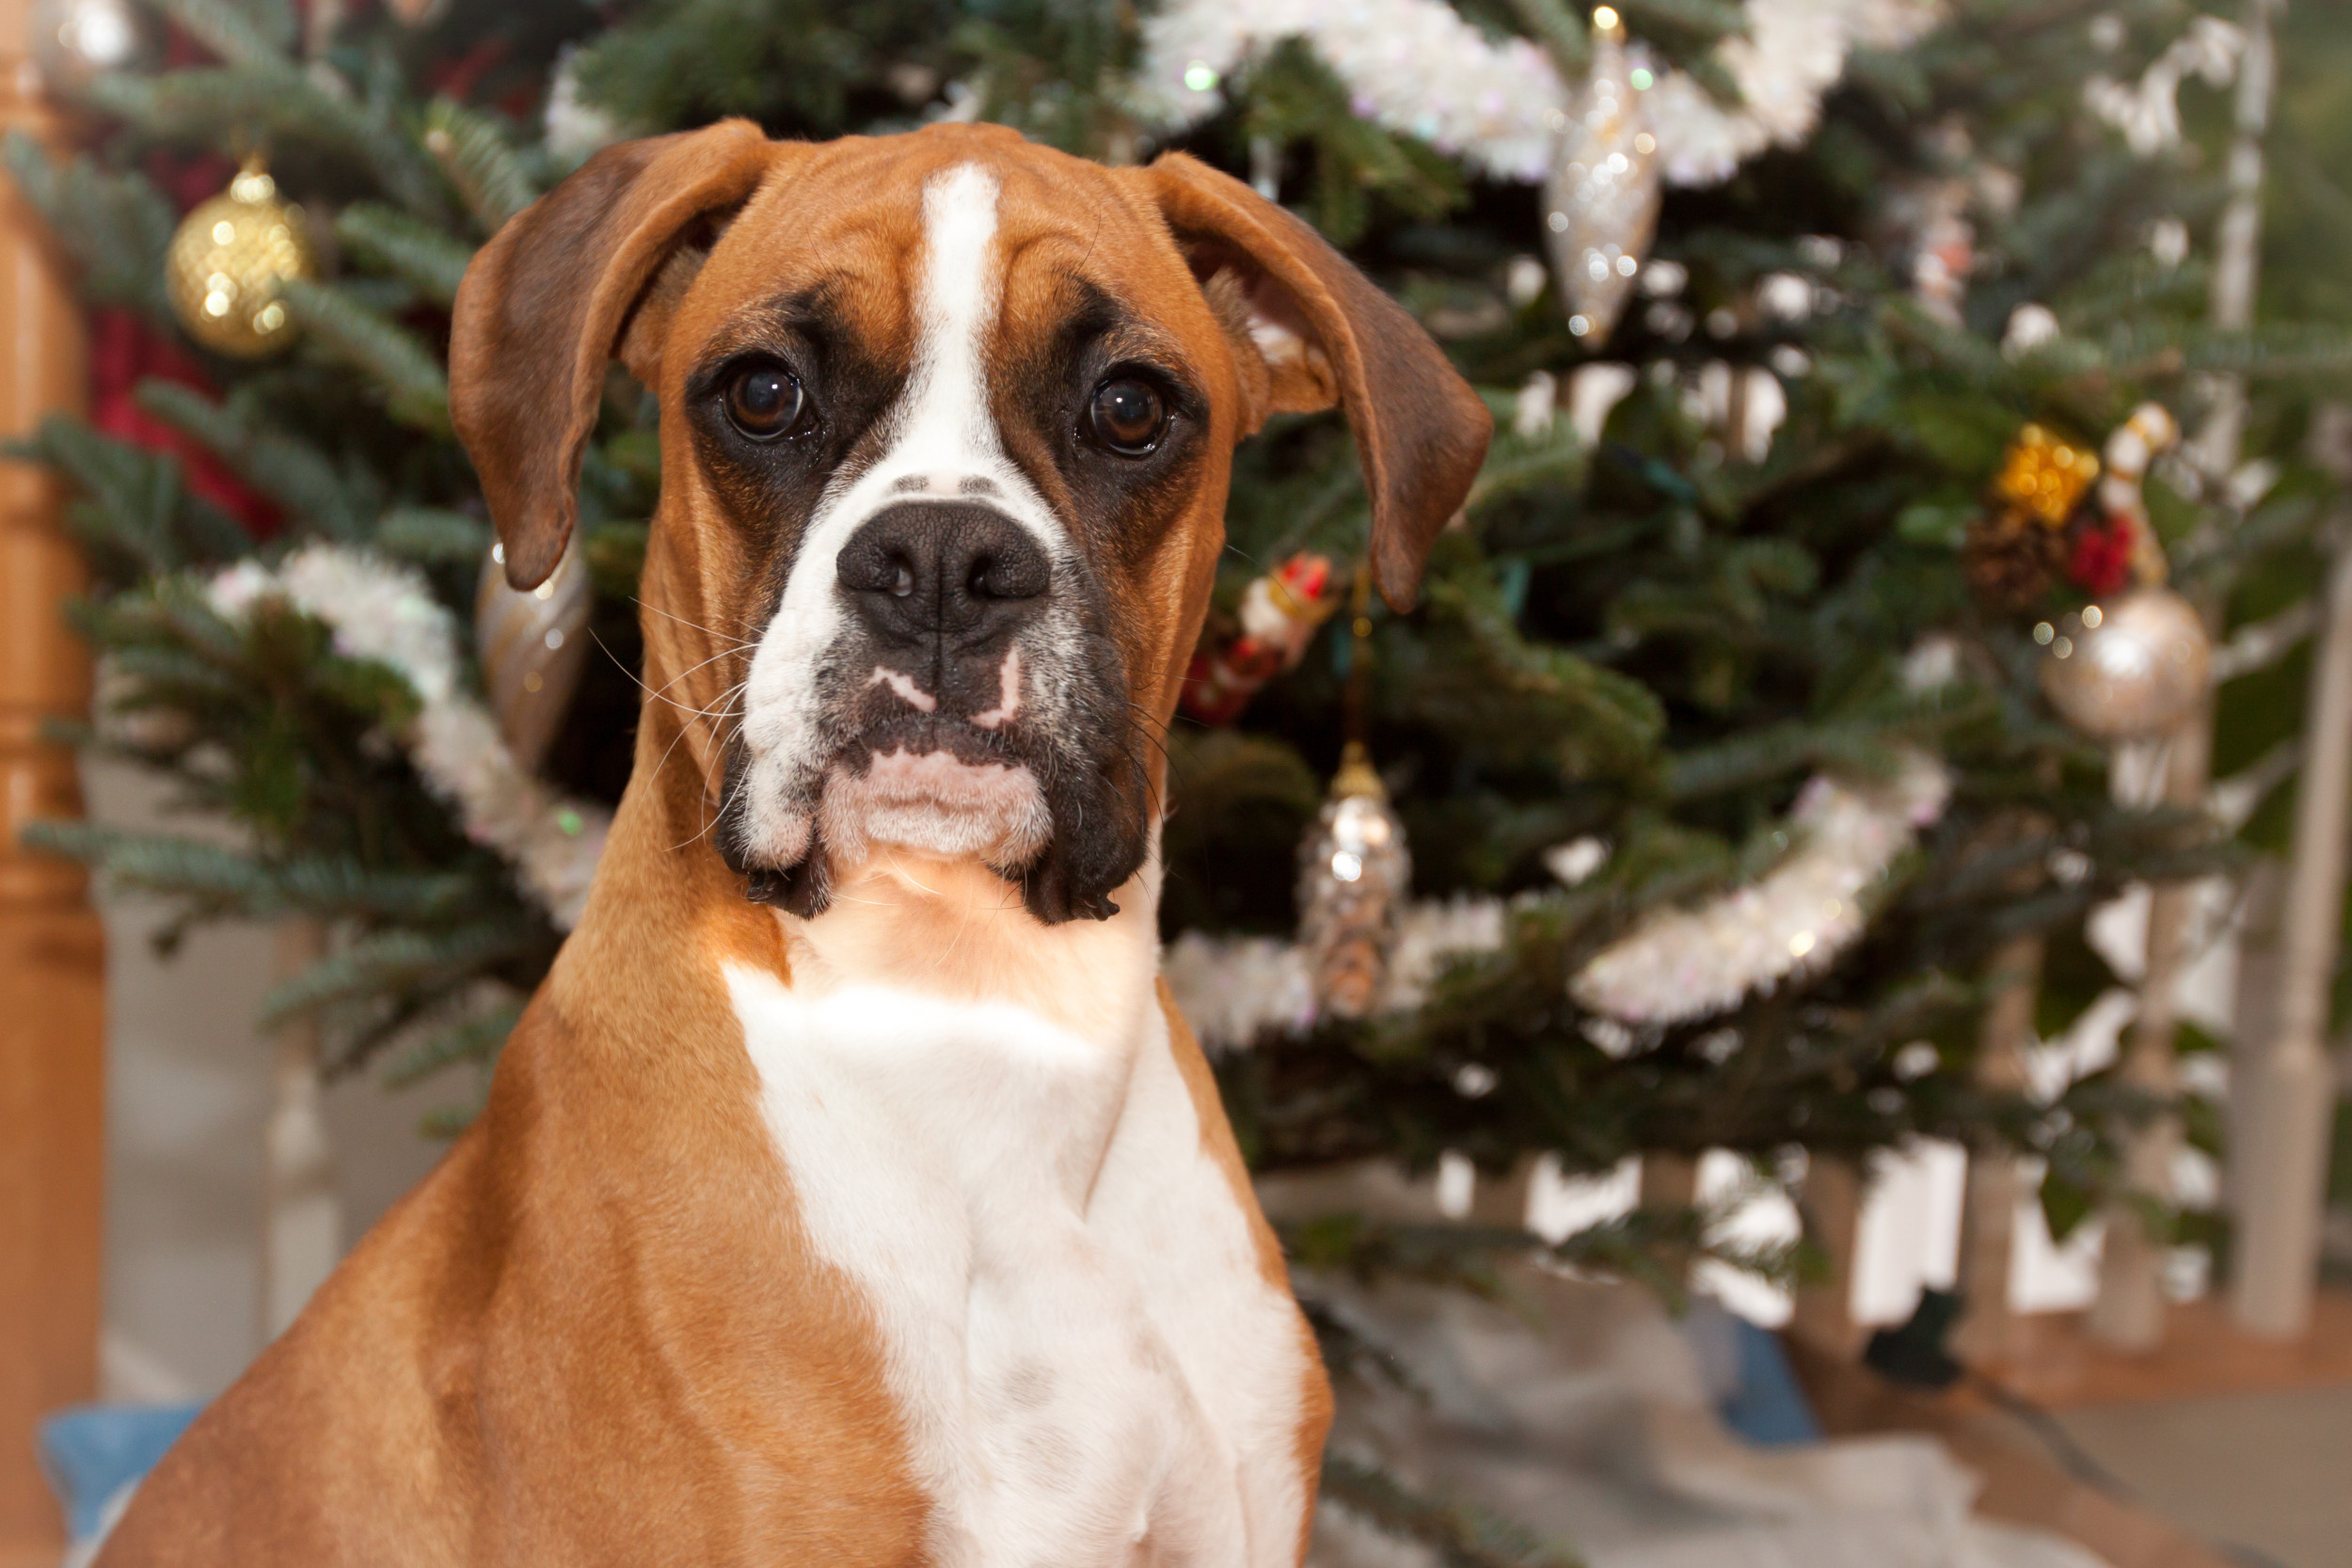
(75, 42)
(533, 644)
(2130, 668)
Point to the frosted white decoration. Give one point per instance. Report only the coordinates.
(1420, 68)
(2030, 326)
(2148, 112)
(575, 128)
(384, 612)
(1682, 964)
(1232, 990)
(1675, 965)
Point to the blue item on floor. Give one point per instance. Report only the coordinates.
(1767, 1407)
(91, 1452)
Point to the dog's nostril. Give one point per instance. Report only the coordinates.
(976, 584)
(901, 579)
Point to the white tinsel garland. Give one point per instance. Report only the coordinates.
(2149, 113)
(1419, 67)
(384, 612)
(1675, 965)
(1682, 964)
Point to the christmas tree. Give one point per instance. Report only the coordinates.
(1748, 723)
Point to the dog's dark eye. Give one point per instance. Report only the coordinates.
(764, 401)
(1128, 416)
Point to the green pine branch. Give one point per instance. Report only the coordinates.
(239, 34)
(264, 453)
(279, 105)
(415, 386)
(252, 886)
(472, 152)
(135, 513)
(477, 1041)
(433, 535)
(390, 961)
(116, 226)
(419, 253)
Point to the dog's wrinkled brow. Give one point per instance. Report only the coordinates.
(1100, 315)
(812, 314)
(1102, 328)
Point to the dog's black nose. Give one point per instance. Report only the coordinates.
(964, 573)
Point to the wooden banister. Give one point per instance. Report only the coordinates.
(51, 951)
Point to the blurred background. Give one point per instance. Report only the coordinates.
(1790, 1010)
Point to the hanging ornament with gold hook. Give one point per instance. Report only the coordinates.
(1354, 868)
(1601, 198)
(230, 260)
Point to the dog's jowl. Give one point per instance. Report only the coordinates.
(850, 1193)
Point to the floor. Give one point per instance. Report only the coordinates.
(2247, 1443)
(2269, 1471)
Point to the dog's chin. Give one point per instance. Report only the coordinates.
(933, 803)
(916, 787)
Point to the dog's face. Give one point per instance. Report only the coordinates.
(947, 424)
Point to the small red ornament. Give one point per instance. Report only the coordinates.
(2101, 560)
(1279, 615)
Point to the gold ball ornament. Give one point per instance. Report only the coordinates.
(229, 263)
(2130, 668)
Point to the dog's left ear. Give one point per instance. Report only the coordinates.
(1321, 333)
(562, 288)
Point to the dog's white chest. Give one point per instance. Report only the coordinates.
(1091, 1368)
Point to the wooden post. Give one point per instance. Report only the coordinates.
(2237, 253)
(1669, 1181)
(2282, 1087)
(1988, 1215)
(2128, 1314)
(1501, 1201)
(1832, 1209)
(52, 952)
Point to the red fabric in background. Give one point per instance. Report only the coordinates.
(124, 351)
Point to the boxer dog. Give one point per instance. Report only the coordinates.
(852, 1192)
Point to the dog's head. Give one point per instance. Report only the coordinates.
(947, 424)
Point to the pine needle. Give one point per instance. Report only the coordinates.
(405, 246)
(416, 388)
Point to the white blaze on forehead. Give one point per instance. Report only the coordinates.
(948, 432)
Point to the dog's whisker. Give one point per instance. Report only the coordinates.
(740, 642)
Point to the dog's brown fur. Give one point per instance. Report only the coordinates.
(596, 1332)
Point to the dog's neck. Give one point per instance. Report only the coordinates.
(955, 929)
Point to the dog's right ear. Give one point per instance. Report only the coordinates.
(582, 274)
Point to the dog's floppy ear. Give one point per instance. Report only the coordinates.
(1324, 334)
(546, 305)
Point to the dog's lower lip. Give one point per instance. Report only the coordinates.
(922, 733)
